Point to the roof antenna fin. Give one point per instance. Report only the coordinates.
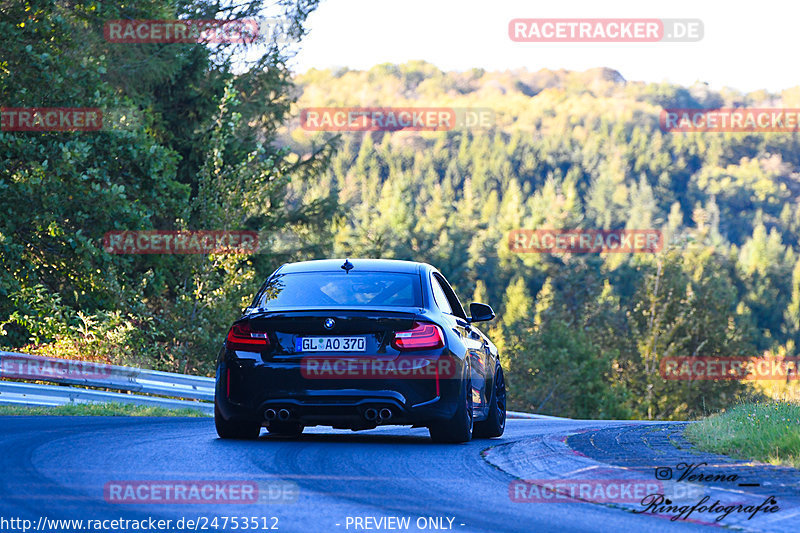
(347, 266)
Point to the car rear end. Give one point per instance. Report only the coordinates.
(348, 349)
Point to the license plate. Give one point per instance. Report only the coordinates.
(330, 344)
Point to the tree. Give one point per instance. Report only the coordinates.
(194, 151)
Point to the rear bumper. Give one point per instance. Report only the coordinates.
(248, 389)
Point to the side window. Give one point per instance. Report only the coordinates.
(452, 299)
(439, 296)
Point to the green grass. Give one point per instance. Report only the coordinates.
(768, 432)
(96, 409)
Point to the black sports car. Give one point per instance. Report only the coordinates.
(355, 344)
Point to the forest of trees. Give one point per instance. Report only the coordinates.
(218, 145)
(582, 335)
(199, 155)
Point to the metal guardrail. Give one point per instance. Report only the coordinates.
(528, 416)
(51, 395)
(122, 378)
(87, 374)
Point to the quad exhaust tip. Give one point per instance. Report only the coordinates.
(371, 414)
(284, 414)
(385, 413)
(270, 414)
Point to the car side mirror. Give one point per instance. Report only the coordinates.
(480, 312)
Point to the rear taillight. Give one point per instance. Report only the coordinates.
(419, 337)
(241, 337)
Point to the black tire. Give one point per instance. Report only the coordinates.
(232, 429)
(459, 428)
(285, 429)
(495, 423)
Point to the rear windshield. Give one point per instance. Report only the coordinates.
(362, 289)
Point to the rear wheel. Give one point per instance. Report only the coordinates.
(495, 423)
(233, 429)
(458, 428)
(285, 429)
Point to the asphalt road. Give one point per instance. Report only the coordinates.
(68, 468)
